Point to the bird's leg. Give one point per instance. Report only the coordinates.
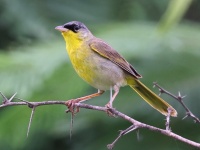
(111, 91)
(112, 98)
(70, 103)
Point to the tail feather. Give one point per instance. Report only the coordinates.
(152, 99)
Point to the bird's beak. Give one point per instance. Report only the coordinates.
(61, 29)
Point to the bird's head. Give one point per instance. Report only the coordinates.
(74, 30)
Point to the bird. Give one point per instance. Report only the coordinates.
(102, 67)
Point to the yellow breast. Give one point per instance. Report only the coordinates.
(96, 70)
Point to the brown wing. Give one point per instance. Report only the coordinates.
(108, 52)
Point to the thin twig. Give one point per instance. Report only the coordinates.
(179, 98)
(49, 102)
(122, 132)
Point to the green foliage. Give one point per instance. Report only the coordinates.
(163, 59)
(33, 63)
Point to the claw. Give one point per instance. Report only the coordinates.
(109, 110)
(71, 103)
(71, 106)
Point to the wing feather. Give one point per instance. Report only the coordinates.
(108, 52)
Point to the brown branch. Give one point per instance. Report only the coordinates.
(140, 124)
(135, 124)
(179, 98)
(36, 104)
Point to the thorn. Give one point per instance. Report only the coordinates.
(4, 98)
(161, 90)
(30, 121)
(185, 117)
(154, 84)
(180, 97)
(30, 105)
(179, 94)
(138, 135)
(71, 125)
(12, 97)
(183, 96)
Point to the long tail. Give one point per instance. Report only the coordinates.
(152, 99)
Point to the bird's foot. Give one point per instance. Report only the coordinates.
(71, 106)
(109, 110)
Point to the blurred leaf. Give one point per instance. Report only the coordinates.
(25, 69)
(174, 13)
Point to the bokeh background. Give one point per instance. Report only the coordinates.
(161, 38)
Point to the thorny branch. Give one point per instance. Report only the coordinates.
(134, 123)
(179, 98)
(8, 102)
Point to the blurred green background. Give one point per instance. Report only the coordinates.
(161, 38)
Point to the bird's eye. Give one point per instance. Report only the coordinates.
(76, 28)
(73, 27)
(66, 26)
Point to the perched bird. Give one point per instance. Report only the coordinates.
(104, 68)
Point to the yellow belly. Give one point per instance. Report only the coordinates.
(96, 70)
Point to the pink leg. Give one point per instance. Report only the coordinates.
(109, 104)
(70, 103)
